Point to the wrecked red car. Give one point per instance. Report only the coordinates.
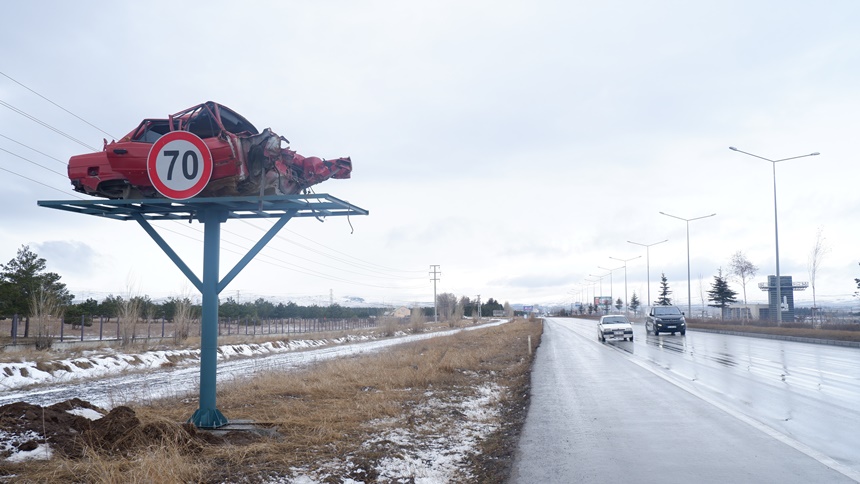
(246, 161)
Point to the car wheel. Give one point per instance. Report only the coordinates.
(631, 339)
(656, 332)
(673, 333)
(684, 332)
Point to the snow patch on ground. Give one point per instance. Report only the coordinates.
(435, 439)
(15, 375)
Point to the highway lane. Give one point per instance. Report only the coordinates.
(699, 408)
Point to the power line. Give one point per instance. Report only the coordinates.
(39, 121)
(325, 255)
(33, 162)
(350, 256)
(57, 105)
(32, 180)
(34, 149)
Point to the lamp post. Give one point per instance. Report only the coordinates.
(601, 281)
(625, 261)
(611, 292)
(648, 263)
(689, 292)
(775, 226)
(592, 282)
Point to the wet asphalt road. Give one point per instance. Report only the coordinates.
(696, 408)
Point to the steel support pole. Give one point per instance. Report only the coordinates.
(208, 415)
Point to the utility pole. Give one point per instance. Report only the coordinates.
(478, 309)
(434, 271)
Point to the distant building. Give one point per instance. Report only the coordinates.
(401, 312)
(786, 289)
(747, 311)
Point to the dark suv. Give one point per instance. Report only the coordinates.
(665, 319)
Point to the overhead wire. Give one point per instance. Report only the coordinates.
(34, 149)
(57, 105)
(320, 253)
(39, 121)
(350, 256)
(33, 162)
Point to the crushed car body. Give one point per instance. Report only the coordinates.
(246, 161)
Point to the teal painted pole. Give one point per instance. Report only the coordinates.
(208, 415)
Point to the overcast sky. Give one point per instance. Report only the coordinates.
(517, 145)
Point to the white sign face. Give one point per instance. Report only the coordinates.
(179, 165)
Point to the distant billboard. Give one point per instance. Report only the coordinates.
(600, 301)
(528, 309)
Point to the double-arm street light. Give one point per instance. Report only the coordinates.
(648, 263)
(611, 292)
(689, 292)
(592, 282)
(625, 261)
(775, 225)
(599, 277)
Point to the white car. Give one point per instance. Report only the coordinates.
(614, 327)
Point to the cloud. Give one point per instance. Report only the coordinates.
(67, 257)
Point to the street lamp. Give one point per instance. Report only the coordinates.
(601, 282)
(625, 261)
(689, 293)
(648, 263)
(775, 226)
(611, 293)
(592, 282)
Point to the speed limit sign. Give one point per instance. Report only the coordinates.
(179, 165)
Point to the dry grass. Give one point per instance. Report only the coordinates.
(329, 414)
(803, 332)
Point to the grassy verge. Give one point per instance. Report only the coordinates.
(454, 405)
(804, 332)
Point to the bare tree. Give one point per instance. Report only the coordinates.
(127, 318)
(417, 319)
(447, 303)
(45, 307)
(702, 295)
(819, 250)
(742, 269)
(183, 316)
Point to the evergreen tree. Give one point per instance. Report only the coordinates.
(663, 299)
(24, 276)
(858, 287)
(109, 307)
(721, 294)
(491, 305)
(634, 302)
(619, 304)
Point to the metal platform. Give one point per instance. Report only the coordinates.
(272, 206)
(211, 212)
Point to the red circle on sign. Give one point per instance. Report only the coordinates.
(179, 165)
